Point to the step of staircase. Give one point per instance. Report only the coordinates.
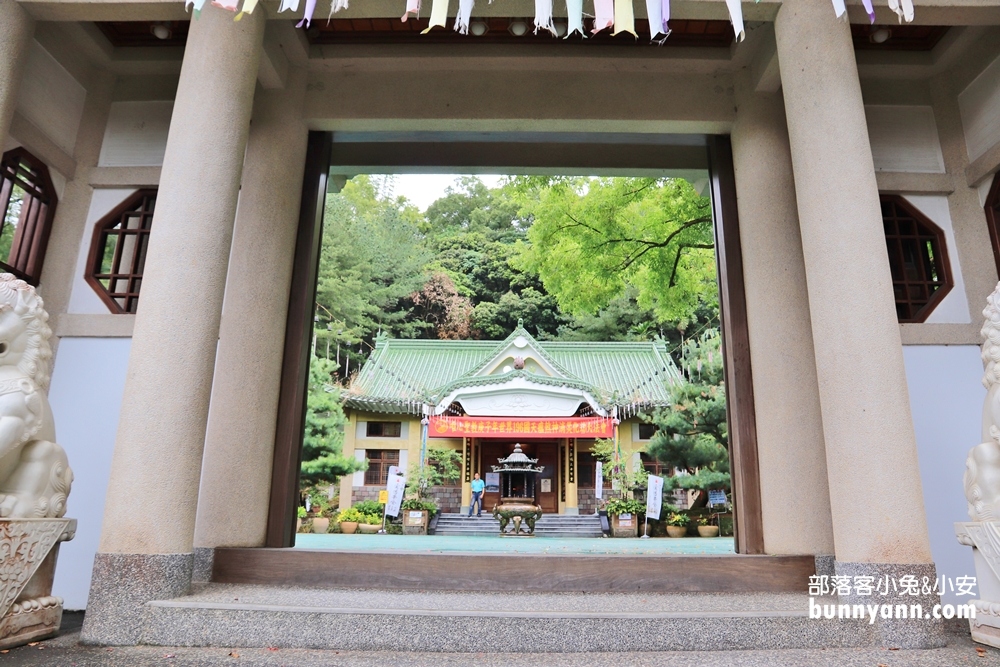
(242, 615)
(550, 525)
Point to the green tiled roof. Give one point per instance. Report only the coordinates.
(402, 374)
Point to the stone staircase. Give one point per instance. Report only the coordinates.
(550, 525)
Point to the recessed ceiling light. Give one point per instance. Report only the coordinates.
(560, 27)
(518, 28)
(881, 36)
(161, 30)
(478, 28)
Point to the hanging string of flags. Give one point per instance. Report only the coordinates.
(617, 15)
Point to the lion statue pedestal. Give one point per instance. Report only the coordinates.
(35, 476)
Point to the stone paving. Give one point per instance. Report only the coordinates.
(511, 545)
(65, 651)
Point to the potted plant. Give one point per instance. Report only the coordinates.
(300, 515)
(416, 513)
(349, 520)
(624, 514)
(370, 523)
(705, 529)
(677, 525)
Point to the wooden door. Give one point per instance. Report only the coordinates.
(489, 452)
(547, 454)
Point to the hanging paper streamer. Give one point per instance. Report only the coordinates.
(335, 6)
(903, 9)
(292, 5)
(439, 14)
(624, 17)
(198, 4)
(870, 10)
(604, 11)
(308, 16)
(574, 17)
(462, 18)
(543, 16)
(226, 4)
(248, 8)
(736, 16)
(839, 8)
(658, 12)
(412, 9)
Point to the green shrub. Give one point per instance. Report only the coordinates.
(418, 504)
(370, 507)
(301, 512)
(352, 515)
(678, 520)
(617, 506)
(372, 519)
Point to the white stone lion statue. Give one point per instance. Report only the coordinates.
(35, 476)
(982, 467)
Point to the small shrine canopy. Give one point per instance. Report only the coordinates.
(517, 377)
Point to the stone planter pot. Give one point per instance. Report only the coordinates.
(368, 528)
(708, 531)
(415, 522)
(321, 525)
(677, 531)
(625, 525)
(298, 525)
(348, 527)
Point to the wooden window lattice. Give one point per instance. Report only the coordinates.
(918, 260)
(993, 218)
(28, 201)
(379, 462)
(118, 252)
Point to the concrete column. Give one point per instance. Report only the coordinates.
(795, 498)
(149, 518)
(16, 30)
(876, 501)
(239, 444)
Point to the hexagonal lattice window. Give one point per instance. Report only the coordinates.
(118, 252)
(918, 259)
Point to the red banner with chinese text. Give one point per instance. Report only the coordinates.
(520, 427)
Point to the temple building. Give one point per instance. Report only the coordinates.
(480, 397)
(163, 179)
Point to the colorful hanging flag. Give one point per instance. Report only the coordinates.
(197, 4)
(543, 16)
(308, 16)
(736, 16)
(291, 5)
(658, 12)
(870, 10)
(574, 17)
(439, 14)
(624, 17)
(412, 9)
(226, 4)
(463, 16)
(839, 8)
(248, 8)
(604, 15)
(903, 9)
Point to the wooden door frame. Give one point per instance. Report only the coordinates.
(732, 300)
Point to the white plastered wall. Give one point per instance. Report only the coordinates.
(979, 103)
(50, 98)
(946, 397)
(86, 391)
(83, 299)
(954, 307)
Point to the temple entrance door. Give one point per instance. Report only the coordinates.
(547, 454)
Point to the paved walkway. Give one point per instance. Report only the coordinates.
(512, 545)
(65, 651)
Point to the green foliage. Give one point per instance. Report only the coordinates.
(350, 514)
(678, 519)
(617, 506)
(593, 239)
(371, 519)
(371, 507)
(323, 461)
(419, 505)
(615, 466)
(692, 433)
(444, 466)
(301, 512)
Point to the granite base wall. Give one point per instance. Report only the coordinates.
(448, 498)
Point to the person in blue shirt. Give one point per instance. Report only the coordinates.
(477, 495)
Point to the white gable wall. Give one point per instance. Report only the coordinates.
(50, 98)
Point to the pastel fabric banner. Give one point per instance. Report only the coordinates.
(226, 4)
(658, 12)
(624, 17)
(248, 8)
(839, 8)
(412, 9)
(462, 18)
(574, 17)
(308, 16)
(197, 4)
(736, 16)
(903, 9)
(604, 11)
(870, 10)
(292, 5)
(543, 16)
(439, 14)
